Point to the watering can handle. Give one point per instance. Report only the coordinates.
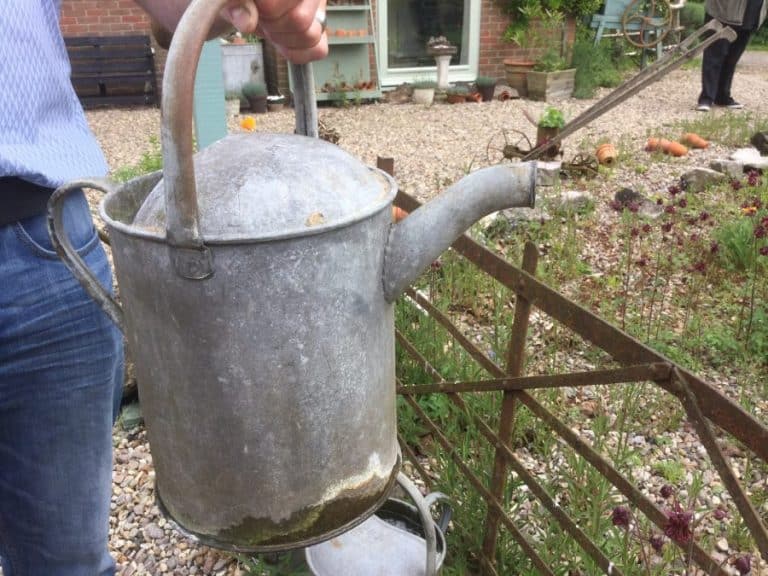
(69, 255)
(190, 257)
(427, 522)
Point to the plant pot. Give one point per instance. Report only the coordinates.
(486, 92)
(606, 154)
(275, 106)
(424, 96)
(544, 134)
(455, 98)
(546, 86)
(475, 97)
(516, 72)
(258, 104)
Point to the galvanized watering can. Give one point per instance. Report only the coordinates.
(258, 278)
(401, 539)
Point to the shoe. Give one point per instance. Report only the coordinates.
(731, 104)
(703, 107)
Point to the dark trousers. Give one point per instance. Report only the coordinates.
(719, 65)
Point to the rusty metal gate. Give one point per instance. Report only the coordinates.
(709, 412)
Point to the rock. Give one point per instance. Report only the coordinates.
(153, 532)
(728, 167)
(517, 216)
(699, 178)
(506, 92)
(722, 545)
(646, 208)
(760, 141)
(548, 173)
(131, 416)
(746, 155)
(574, 200)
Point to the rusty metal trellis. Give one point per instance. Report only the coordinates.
(703, 404)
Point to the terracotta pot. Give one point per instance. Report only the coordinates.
(517, 74)
(606, 154)
(545, 134)
(486, 92)
(455, 98)
(475, 97)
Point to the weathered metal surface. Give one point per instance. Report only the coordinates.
(515, 362)
(644, 372)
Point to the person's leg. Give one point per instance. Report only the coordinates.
(60, 377)
(711, 67)
(735, 51)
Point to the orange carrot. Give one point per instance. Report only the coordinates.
(694, 140)
(652, 145)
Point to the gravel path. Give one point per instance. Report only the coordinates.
(431, 146)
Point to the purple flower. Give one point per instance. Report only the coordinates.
(714, 248)
(704, 216)
(633, 207)
(646, 228)
(666, 227)
(753, 178)
(720, 513)
(682, 203)
(760, 231)
(657, 542)
(666, 491)
(620, 516)
(674, 190)
(616, 205)
(743, 564)
(634, 232)
(736, 185)
(670, 209)
(678, 525)
(764, 250)
(659, 202)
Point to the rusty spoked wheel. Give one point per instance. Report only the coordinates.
(507, 144)
(645, 23)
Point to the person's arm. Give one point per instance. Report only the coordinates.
(291, 24)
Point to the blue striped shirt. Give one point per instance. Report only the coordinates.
(44, 135)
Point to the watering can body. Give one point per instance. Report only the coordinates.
(257, 279)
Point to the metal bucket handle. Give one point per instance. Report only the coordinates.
(70, 257)
(190, 257)
(428, 524)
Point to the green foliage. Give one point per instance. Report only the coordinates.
(552, 118)
(672, 471)
(550, 61)
(595, 67)
(727, 129)
(485, 81)
(424, 85)
(737, 244)
(458, 90)
(233, 95)
(254, 90)
(150, 161)
(692, 16)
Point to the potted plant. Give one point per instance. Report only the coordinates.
(549, 125)
(456, 94)
(275, 103)
(256, 94)
(551, 77)
(232, 98)
(424, 92)
(486, 86)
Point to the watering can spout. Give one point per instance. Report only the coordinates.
(416, 241)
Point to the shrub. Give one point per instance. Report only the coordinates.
(692, 16)
(483, 81)
(595, 67)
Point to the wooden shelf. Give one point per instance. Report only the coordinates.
(350, 40)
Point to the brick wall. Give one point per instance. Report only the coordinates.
(102, 18)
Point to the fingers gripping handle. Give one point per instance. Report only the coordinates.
(69, 255)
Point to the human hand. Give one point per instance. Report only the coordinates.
(292, 25)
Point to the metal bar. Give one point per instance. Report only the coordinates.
(515, 357)
(424, 475)
(723, 467)
(643, 503)
(621, 346)
(529, 550)
(681, 54)
(538, 490)
(305, 101)
(644, 372)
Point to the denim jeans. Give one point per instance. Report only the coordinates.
(61, 370)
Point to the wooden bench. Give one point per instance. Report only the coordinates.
(113, 70)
